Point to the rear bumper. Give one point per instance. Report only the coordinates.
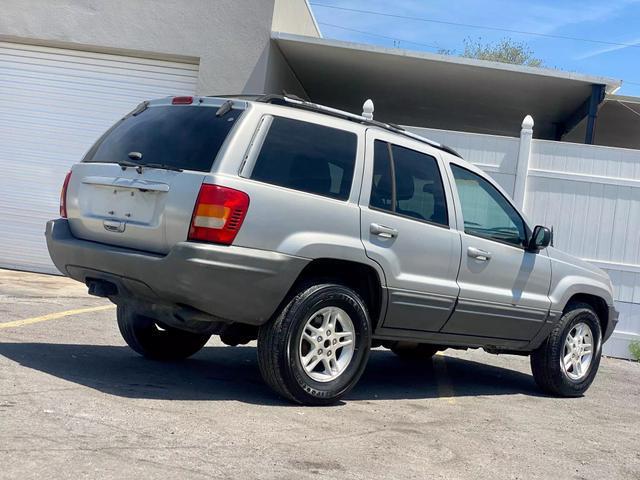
(234, 284)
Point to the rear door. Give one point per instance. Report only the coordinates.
(503, 288)
(147, 207)
(406, 211)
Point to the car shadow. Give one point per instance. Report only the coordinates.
(231, 373)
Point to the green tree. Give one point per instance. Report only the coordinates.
(506, 50)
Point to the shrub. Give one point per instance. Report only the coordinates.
(634, 348)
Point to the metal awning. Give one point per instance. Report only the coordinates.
(618, 123)
(438, 91)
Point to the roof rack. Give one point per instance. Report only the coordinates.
(296, 102)
(240, 96)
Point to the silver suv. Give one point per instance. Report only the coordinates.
(321, 234)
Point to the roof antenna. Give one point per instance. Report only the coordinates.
(367, 109)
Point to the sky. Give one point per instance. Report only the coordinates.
(616, 21)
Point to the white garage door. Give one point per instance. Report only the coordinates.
(54, 103)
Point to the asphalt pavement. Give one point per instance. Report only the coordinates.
(76, 402)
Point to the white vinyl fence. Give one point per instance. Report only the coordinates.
(589, 194)
(496, 155)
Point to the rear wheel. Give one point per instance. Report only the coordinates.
(316, 349)
(567, 362)
(414, 352)
(145, 336)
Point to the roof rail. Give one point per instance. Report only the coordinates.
(239, 96)
(296, 102)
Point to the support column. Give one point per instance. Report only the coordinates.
(597, 95)
(522, 168)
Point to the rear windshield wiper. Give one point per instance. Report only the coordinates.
(126, 163)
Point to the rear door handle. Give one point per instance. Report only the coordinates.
(383, 231)
(479, 254)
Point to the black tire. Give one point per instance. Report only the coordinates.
(546, 360)
(143, 335)
(279, 340)
(414, 352)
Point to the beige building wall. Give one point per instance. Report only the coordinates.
(295, 16)
(230, 40)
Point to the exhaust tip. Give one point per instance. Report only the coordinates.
(101, 288)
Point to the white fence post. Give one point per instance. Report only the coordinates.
(522, 168)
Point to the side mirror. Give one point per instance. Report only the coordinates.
(540, 239)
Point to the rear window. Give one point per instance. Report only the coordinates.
(187, 137)
(307, 157)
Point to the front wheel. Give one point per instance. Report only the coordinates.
(317, 348)
(567, 362)
(145, 336)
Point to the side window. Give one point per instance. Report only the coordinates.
(307, 157)
(407, 183)
(486, 212)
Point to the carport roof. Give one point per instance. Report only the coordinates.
(618, 123)
(438, 91)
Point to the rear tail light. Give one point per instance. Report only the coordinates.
(63, 196)
(182, 101)
(218, 214)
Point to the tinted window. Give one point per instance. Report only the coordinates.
(408, 183)
(307, 157)
(486, 212)
(187, 137)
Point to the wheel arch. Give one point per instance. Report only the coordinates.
(572, 290)
(598, 304)
(361, 277)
